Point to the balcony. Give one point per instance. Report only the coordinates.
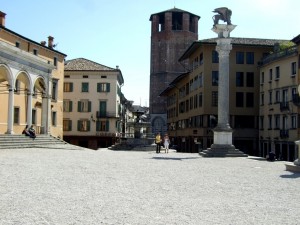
(284, 133)
(296, 99)
(284, 106)
(106, 114)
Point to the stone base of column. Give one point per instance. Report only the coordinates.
(293, 167)
(219, 150)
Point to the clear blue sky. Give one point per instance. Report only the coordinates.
(117, 32)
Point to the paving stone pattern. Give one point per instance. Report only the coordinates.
(55, 186)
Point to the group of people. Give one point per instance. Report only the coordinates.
(159, 141)
(29, 131)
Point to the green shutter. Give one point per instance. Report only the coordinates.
(88, 125)
(70, 125)
(78, 125)
(89, 106)
(79, 106)
(71, 87)
(108, 87)
(98, 87)
(98, 126)
(107, 125)
(71, 106)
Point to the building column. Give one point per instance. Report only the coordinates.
(10, 111)
(222, 144)
(29, 109)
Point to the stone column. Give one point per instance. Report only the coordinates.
(29, 109)
(10, 121)
(222, 145)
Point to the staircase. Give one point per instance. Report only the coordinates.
(41, 141)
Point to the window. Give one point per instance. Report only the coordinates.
(261, 122)
(35, 51)
(17, 44)
(54, 118)
(68, 87)
(84, 87)
(200, 80)
(270, 74)
(293, 68)
(195, 101)
(270, 97)
(277, 122)
(293, 122)
(249, 99)
(201, 59)
(250, 79)
(262, 78)
(103, 87)
(239, 57)
(102, 109)
(191, 103)
(215, 78)
(262, 98)
(277, 96)
(67, 105)
(239, 80)
(83, 125)
(200, 99)
(16, 115)
(277, 73)
(214, 98)
(102, 125)
(270, 122)
(55, 61)
(33, 116)
(239, 101)
(85, 76)
(54, 89)
(250, 57)
(67, 125)
(84, 106)
(215, 56)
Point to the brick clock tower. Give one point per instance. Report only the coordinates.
(172, 32)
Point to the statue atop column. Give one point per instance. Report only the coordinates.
(223, 14)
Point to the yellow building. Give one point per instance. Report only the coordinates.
(193, 96)
(92, 103)
(279, 103)
(31, 81)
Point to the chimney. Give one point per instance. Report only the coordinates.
(117, 67)
(2, 19)
(43, 43)
(50, 42)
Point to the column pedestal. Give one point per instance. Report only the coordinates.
(296, 166)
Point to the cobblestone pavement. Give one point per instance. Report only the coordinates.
(54, 186)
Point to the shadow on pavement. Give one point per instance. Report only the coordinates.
(291, 176)
(173, 158)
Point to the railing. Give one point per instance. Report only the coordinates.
(143, 135)
(284, 106)
(284, 133)
(106, 114)
(289, 51)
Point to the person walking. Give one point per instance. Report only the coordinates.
(166, 143)
(158, 142)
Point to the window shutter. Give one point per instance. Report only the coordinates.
(71, 87)
(78, 125)
(88, 125)
(98, 126)
(70, 125)
(107, 125)
(79, 106)
(108, 87)
(71, 105)
(89, 106)
(98, 87)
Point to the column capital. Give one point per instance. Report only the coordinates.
(223, 30)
